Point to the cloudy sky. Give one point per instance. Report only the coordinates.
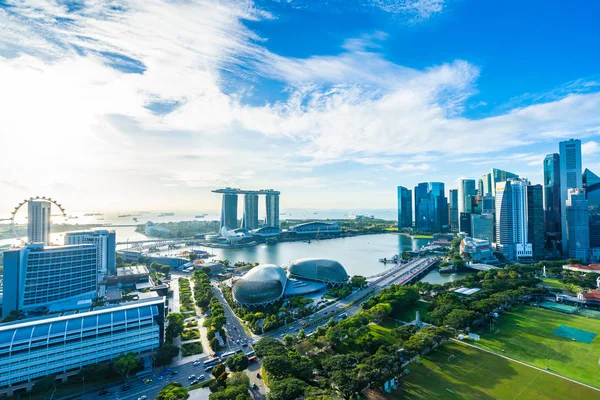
(148, 104)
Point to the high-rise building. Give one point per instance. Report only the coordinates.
(38, 277)
(454, 209)
(570, 178)
(272, 205)
(482, 227)
(229, 210)
(487, 204)
(535, 219)
(38, 224)
(432, 207)
(491, 179)
(250, 220)
(106, 245)
(577, 222)
(480, 187)
(591, 183)
(466, 190)
(511, 219)
(552, 209)
(63, 343)
(404, 208)
(464, 223)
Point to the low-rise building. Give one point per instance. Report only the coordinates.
(592, 268)
(133, 274)
(478, 249)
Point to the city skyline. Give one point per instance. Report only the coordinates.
(369, 96)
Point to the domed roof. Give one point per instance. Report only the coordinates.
(318, 269)
(263, 284)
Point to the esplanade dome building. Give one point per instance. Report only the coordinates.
(267, 283)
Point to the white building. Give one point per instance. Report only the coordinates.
(578, 228)
(38, 223)
(105, 242)
(570, 178)
(59, 344)
(478, 249)
(511, 219)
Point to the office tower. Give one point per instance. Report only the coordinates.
(454, 209)
(37, 277)
(404, 208)
(480, 187)
(498, 175)
(511, 219)
(106, 245)
(577, 221)
(464, 223)
(466, 189)
(552, 209)
(570, 178)
(482, 227)
(250, 220)
(432, 207)
(487, 204)
(591, 184)
(272, 205)
(65, 343)
(38, 224)
(229, 208)
(535, 219)
(476, 204)
(419, 193)
(486, 180)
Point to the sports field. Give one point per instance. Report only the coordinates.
(456, 371)
(526, 334)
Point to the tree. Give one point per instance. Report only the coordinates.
(459, 319)
(214, 344)
(358, 281)
(289, 341)
(125, 363)
(287, 389)
(46, 385)
(220, 374)
(173, 391)
(237, 362)
(301, 334)
(268, 346)
(165, 353)
(349, 382)
(381, 311)
(238, 379)
(175, 325)
(278, 366)
(165, 269)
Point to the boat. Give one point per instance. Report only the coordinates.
(200, 216)
(135, 219)
(92, 214)
(124, 215)
(167, 214)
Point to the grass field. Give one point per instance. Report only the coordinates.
(554, 283)
(525, 334)
(408, 314)
(456, 371)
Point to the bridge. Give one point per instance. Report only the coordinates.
(155, 243)
(481, 267)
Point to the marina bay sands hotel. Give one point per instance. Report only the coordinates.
(229, 208)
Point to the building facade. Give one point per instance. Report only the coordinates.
(272, 209)
(250, 220)
(570, 178)
(535, 219)
(491, 179)
(33, 348)
(591, 183)
(464, 223)
(106, 245)
(511, 219)
(453, 209)
(578, 232)
(431, 207)
(482, 227)
(38, 223)
(552, 209)
(466, 190)
(404, 208)
(229, 208)
(36, 277)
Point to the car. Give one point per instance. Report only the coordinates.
(147, 381)
(258, 375)
(174, 372)
(194, 382)
(125, 388)
(161, 377)
(142, 397)
(244, 344)
(191, 377)
(196, 363)
(208, 369)
(201, 377)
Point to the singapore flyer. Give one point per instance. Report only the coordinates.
(13, 216)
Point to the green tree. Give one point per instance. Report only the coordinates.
(165, 353)
(165, 269)
(381, 311)
(289, 341)
(124, 364)
(301, 334)
(287, 389)
(173, 391)
(237, 362)
(358, 281)
(460, 319)
(46, 386)
(214, 344)
(268, 346)
(175, 325)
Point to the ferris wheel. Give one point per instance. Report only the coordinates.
(13, 214)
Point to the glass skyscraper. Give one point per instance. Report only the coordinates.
(591, 183)
(511, 216)
(431, 207)
(466, 191)
(404, 208)
(454, 209)
(535, 219)
(570, 178)
(578, 231)
(552, 209)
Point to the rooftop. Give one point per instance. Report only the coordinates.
(592, 295)
(591, 267)
(132, 270)
(466, 291)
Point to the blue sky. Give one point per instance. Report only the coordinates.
(149, 104)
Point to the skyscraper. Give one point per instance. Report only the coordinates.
(454, 209)
(38, 224)
(431, 207)
(591, 183)
(487, 204)
(464, 223)
(36, 276)
(106, 244)
(272, 205)
(535, 219)
(496, 175)
(570, 178)
(511, 219)
(480, 187)
(404, 208)
(466, 190)
(577, 223)
(482, 227)
(229, 211)
(552, 209)
(250, 220)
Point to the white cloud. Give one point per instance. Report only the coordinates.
(590, 148)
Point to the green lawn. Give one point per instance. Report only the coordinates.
(554, 283)
(456, 371)
(525, 334)
(422, 236)
(383, 332)
(408, 314)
